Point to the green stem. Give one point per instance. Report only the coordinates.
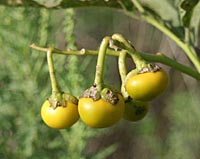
(124, 44)
(189, 51)
(74, 52)
(161, 58)
(146, 56)
(54, 85)
(186, 47)
(122, 71)
(138, 6)
(100, 63)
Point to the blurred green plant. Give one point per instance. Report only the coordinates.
(181, 25)
(183, 140)
(25, 84)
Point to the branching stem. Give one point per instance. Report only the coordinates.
(55, 88)
(100, 63)
(123, 71)
(121, 42)
(188, 49)
(160, 58)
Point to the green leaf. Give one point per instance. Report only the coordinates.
(194, 24)
(153, 13)
(167, 12)
(188, 6)
(166, 9)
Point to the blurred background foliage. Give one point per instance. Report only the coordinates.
(170, 130)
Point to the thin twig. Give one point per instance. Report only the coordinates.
(161, 58)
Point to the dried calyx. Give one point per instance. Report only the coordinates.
(61, 99)
(110, 96)
(150, 68)
(106, 94)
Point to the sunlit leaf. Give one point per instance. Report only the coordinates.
(63, 3)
